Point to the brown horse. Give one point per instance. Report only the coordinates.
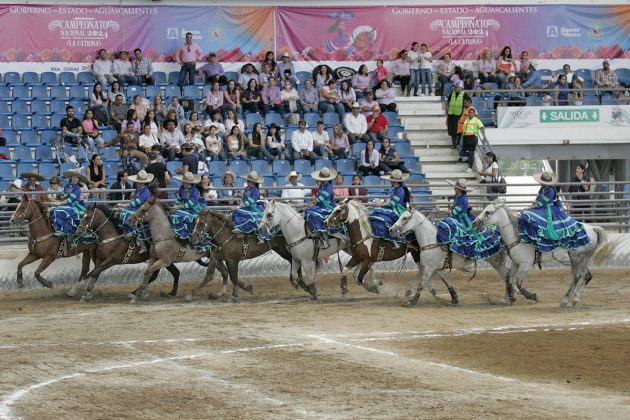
(216, 228)
(43, 244)
(366, 250)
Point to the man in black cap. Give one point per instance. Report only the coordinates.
(190, 160)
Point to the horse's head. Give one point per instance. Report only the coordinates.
(339, 215)
(24, 211)
(142, 215)
(201, 226)
(271, 218)
(488, 216)
(88, 221)
(407, 222)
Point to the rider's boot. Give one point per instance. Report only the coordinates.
(396, 244)
(142, 246)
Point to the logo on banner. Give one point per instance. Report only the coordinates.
(570, 32)
(216, 31)
(594, 31)
(465, 30)
(172, 33)
(552, 32)
(83, 31)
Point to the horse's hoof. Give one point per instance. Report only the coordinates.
(249, 288)
(455, 301)
(131, 296)
(20, 285)
(408, 293)
(87, 297)
(188, 298)
(46, 283)
(134, 299)
(71, 293)
(234, 299)
(164, 294)
(410, 303)
(145, 295)
(380, 283)
(534, 297)
(564, 303)
(314, 297)
(433, 292)
(575, 303)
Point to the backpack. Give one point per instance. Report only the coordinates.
(188, 104)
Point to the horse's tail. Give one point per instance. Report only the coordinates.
(605, 248)
(318, 263)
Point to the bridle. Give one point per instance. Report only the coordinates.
(203, 233)
(337, 217)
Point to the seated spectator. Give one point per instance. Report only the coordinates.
(194, 120)
(142, 68)
(214, 145)
(290, 98)
(195, 140)
(516, 96)
(118, 112)
(148, 139)
(357, 189)
(370, 160)
(233, 120)
(114, 91)
(246, 76)
(228, 192)
(96, 175)
(385, 97)
(274, 142)
(577, 96)
(458, 75)
(389, 159)
(400, 70)
(287, 76)
(362, 82)
(546, 100)
(122, 183)
(330, 100)
(566, 70)
(90, 129)
(213, 71)
(208, 193)
(321, 141)
(339, 145)
(524, 67)
(132, 159)
(214, 99)
(179, 110)
(323, 77)
(171, 141)
(505, 66)
(380, 73)
(55, 190)
(140, 107)
(356, 125)
(368, 103)
(151, 120)
(287, 64)
(71, 128)
(190, 160)
(445, 70)
(377, 125)
(270, 60)
(264, 75)
(160, 109)
(272, 98)
(123, 69)
(172, 115)
(302, 143)
(340, 192)
(231, 98)
(103, 69)
(99, 102)
(607, 81)
(487, 67)
(256, 144)
(188, 55)
(132, 117)
(235, 142)
(348, 96)
(215, 120)
(309, 97)
(294, 196)
(561, 92)
(251, 98)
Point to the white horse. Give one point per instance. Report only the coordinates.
(434, 255)
(302, 248)
(523, 254)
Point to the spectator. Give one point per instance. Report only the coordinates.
(123, 69)
(256, 144)
(294, 196)
(385, 97)
(330, 100)
(270, 60)
(114, 91)
(214, 99)
(309, 97)
(624, 95)
(252, 99)
(140, 107)
(274, 142)
(607, 81)
(160, 173)
(188, 55)
(142, 68)
(264, 75)
(214, 145)
(215, 120)
(445, 70)
(99, 102)
(10, 202)
(235, 144)
(287, 76)
(524, 67)
(55, 191)
(400, 70)
(132, 159)
(356, 125)
(32, 185)
(505, 66)
(460, 125)
(246, 76)
(454, 106)
(516, 96)
(380, 73)
(561, 91)
(286, 64)
(358, 190)
(272, 98)
(370, 160)
(579, 189)
(377, 124)
(426, 71)
(194, 120)
(368, 104)
(414, 67)
(566, 70)
(190, 160)
(490, 174)
(228, 192)
(71, 128)
(132, 117)
(323, 77)
(208, 193)
(458, 75)
(389, 159)
(171, 141)
(547, 100)
(103, 69)
(118, 112)
(122, 183)
(361, 82)
(194, 139)
(156, 127)
(321, 141)
(231, 99)
(233, 120)
(302, 143)
(340, 192)
(577, 96)
(91, 131)
(179, 110)
(213, 71)
(160, 109)
(148, 139)
(96, 176)
(471, 128)
(486, 66)
(347, 95)
(290, 98)
(340, 145)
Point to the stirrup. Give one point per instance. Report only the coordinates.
(59, 234)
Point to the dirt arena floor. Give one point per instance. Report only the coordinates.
(278, 355)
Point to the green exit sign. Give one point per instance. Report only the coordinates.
(569, 115)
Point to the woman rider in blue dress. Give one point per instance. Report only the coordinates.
(322, 204)
(66, 214)
(187, 206)
(141, 194)
(248, 215)
(381, 219)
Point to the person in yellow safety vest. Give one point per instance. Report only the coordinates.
(454, 110)
(460, 124)
(470, 129)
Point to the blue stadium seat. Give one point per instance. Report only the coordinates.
(112, 167)
(216, 167)
(392, 133)
(5, 93)
(110, 153)
(10, 135)
(12, 78)
(5, 107)
(320, 163)
(40, 106)
(288, 132)
(31, 78)
(159, 78)
(49, 78)
(533, 100)
(108, 134)
(205, 89)
(66, 167)
(4, 122)
(372, 180)
(281, 168)
(59, 92)
(585, 74)
(85, 78)
(260, 166)
(415, 179)
(6, 170)
(275, 118)
(22, 167)
(47, 169)
(345, 166)
(268, 181)
(231, 75)
(40, 92)
(24, 154)
(404, 149)
(21, 106)
(239, 167)
(302, 76)
(591, 100)
(79, 107)
(43, 153)
(20, 121)
(47, 135)
(40, 121)
(302, 166)
(311, 119)
(153, 91)
(132, 90)
(308, 181)
(22, 92)
(58, 106)
(357, 148)
(78, 92)
(173, 78)
(331, 118)
(67, 78)
(411, 163)
(252, 118)
(239, 182)
(172, 90)
(6, 152)
(29, 138)
(392, 117)
(192, 91)
(609, 100)
(623, 75)
(172, 166)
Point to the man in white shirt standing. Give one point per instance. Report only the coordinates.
(302, 143)
(123, 69)
(295, 196)
(426, 70)
(172, 140)
(356, 125)
(103, 69)
(321, 141)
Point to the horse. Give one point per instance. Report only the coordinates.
(434, 256)
(166, 249)
(303, 249)
(43, 244)
(216, 228)
(523, 254)
(367, 250)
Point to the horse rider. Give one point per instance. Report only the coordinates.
(188, 204)
(66, 214)
(545, 225)
(384, 217)
(322, 205)
(141, 194)
(248, 215)
(32, 185)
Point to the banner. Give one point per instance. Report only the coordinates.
(368, 33)
(72, 33)
(563, 116)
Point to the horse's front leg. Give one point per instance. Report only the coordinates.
(451, 290)
(47, 260)
(30, 257)
(499, 263)
(175, 273)
(426, 278)
(93, 277)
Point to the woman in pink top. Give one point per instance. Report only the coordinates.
(381, 72)
(340, 192)
(139, 106)
(231, 98)
(486, 66)
(99, 100)
(214, 99)
(401, 72)
(340, 143)
(90, 128)
(505, 66)
(361, 82)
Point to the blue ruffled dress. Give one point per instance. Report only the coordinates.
(382, 218)
(183, 220)
(138, 198)
(247, 218)
(317, 213)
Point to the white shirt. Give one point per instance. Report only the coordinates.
(230, 123)
(489, 169)
(296, 195)
(123, 67)
(148, 141)
(356, 124)
(302, 141)
(321, 139)
(219, 125)
(424, 60)
(414, 64)
(101, 67)
(176, 137)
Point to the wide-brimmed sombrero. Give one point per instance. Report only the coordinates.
(292, 174)
(396, 176)
(461, 184)
(32, 174)
(253, 176)
(546, 178)
(324, 174)
(189, 178)
(141, 177)
(76, 172)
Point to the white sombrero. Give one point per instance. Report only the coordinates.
(461, 184)
(189, 178)
(292, 174)
(546, 178)
(395, 176)
(254, 177)
(141, 177)
(76, 172)
(324, 174)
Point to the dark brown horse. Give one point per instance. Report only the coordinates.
(230, 247)
(366, 249)
(43, 244)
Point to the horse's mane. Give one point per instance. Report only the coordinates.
(285, 205)
(511, 215)
(43, 209)
(110, 214)
(363, 215)
(223, 217)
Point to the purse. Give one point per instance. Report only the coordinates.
(501, 185)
